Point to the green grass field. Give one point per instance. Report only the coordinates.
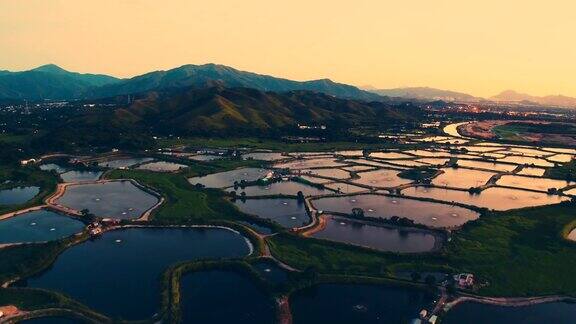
(520, 253)
(203, 168)
(564, 172)
(184, 202)
(267, 144)
(14, 139)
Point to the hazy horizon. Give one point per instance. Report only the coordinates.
(480, 49)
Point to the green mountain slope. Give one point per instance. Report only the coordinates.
(201, 76)
(229, 110)
(49, 82)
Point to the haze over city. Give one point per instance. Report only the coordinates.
(479, 47)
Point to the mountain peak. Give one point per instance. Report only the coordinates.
(425, 93)
(557, 100)
(512, 95)
(50, 68)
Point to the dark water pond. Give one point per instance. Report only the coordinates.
(38, 226)
(224, 297)
(376, 236)
(271, 271)
(52, 320)
(18, 195)
(118, 274)
(349, 303)
(258, 228)
(557, 313)
(117, 199)
(286, 212)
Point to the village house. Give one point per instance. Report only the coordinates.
(464, 280)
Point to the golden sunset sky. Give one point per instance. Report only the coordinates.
(476, 46)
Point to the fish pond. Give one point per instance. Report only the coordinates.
(354, 303)
(541, 184)
(281, 188)
(53, 167)
(227, 178)
(379, 206)
(107, 273)
(265, 156)
(378, 236)
(161, 166)
(18, 195)
(495, 198)
(462, 178)
(38, 226)
(381, 178)
(270, 271)
(124, 163)
(287, 212)
(116, 199)
(224, 297)
(80, 176)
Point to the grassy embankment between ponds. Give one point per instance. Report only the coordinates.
(268, 144)
(518, 253)
(47, 303)
(418, 174)
(199, 168)
(26, 176)
(184, 203)
(566, 171)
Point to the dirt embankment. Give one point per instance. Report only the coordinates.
(481, 129)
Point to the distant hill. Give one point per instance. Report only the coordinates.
(513, 96)
(220, 111)
(53, 82)
(425, 93)
(229, 110)
(49, 82)
(201, 76)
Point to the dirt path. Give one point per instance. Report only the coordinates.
(21, 211)
(507, 301)
(319, 226)
(285, 315)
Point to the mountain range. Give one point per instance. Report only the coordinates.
(49, 82)
(425, 93)
(222, 109)
(223, 112)
(53, 82)
(513, 96)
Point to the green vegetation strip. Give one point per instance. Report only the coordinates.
(517, 253)
(269, 144)
(43, 303)
(26, 176)
(184, 203)
(563, 172)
